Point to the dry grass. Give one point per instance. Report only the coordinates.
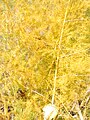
(44, 57)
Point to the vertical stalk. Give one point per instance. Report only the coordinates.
(57, 55)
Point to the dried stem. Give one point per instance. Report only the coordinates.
(79, 112)
(57, 55)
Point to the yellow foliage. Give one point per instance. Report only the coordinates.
(44, 56)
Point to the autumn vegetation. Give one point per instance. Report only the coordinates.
(44, 58)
